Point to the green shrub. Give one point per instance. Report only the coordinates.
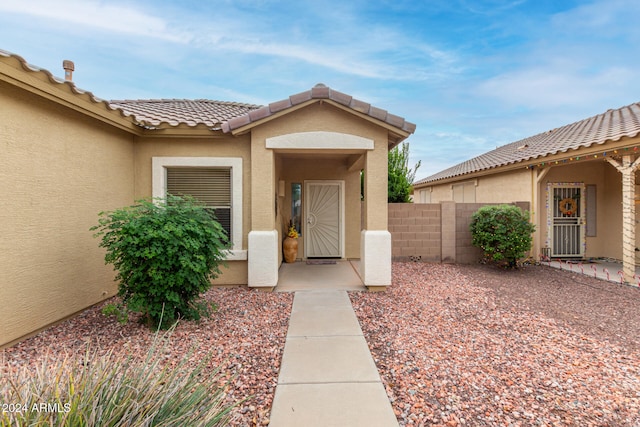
(116, 391)
(165, 254)
(502, 232)
(401, 176)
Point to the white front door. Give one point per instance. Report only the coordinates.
(324, 219)
(566, 212)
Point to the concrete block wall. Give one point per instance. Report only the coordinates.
(434, 232)
(466, 253)
(415, 232)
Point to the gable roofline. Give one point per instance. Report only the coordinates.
(15, 70)
(141, 117)
(610, 126)
(321, 93)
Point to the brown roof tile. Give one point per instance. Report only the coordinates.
(274, 107)
(341, 98)
(611, 125)
(360, 106)
(321, 91)
(46, 75)
(175, 112)
(214, 114)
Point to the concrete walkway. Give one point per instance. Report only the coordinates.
(604, 269)
(300, 276)
(327, 376)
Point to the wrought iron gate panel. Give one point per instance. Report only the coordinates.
(567, 225)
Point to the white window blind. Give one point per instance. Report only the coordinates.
(464, 193)
(211, 186)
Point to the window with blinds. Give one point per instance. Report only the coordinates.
(211, 186)
(464, 193)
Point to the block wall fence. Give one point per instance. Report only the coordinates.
(435, 232)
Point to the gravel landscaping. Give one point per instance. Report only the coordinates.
(455, 345)
(478, 346)
(245, 337)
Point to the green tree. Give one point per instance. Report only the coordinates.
(401, 176)
(165, 252)
(503, 232)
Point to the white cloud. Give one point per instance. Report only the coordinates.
(557, 85)
(112, 17)
(332, 37)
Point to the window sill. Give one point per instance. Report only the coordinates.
(236, 255)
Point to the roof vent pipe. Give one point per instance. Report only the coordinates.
(68, 70)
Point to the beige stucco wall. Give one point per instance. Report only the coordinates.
(608, 184)
(517, 186)
(514, 186)
(299, 165)
(59, 170)
(235, 272)
(500, 188)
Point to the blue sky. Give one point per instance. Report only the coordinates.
(472, 74)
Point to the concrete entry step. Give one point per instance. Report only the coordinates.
(327, 376)
(300, 276)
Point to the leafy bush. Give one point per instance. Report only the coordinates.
(503, 232)
(401, 176)
(399, 189)
(116, 391)
(165, 254)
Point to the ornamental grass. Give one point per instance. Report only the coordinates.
(109, 390)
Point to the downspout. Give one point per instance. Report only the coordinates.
(628, 168)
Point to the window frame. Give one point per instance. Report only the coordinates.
(159, 190)
(466, 189)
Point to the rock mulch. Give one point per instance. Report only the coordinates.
(462, 346)
(245, 337)
(455, 346)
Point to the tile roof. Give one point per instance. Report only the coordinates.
(319, 91)
(46, 75)
(611, 125)
(174, 112)
(216, 115)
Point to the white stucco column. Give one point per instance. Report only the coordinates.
(263, 243)
(628, 170)
(375, 239)
(263, 259)
(375, 258)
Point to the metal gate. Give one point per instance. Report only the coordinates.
(566, 207)
(323, 232)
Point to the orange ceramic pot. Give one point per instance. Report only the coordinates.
(290, 249)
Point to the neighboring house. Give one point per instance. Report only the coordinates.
(67, 155)
(580, 180)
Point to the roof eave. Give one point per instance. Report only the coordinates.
(15, 71)
(397, 135)
(624, 142)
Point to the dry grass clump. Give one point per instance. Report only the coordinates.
(110, 390)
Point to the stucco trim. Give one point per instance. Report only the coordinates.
(375, 257)
(159, 183)
(319, 141)
(263, 259)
